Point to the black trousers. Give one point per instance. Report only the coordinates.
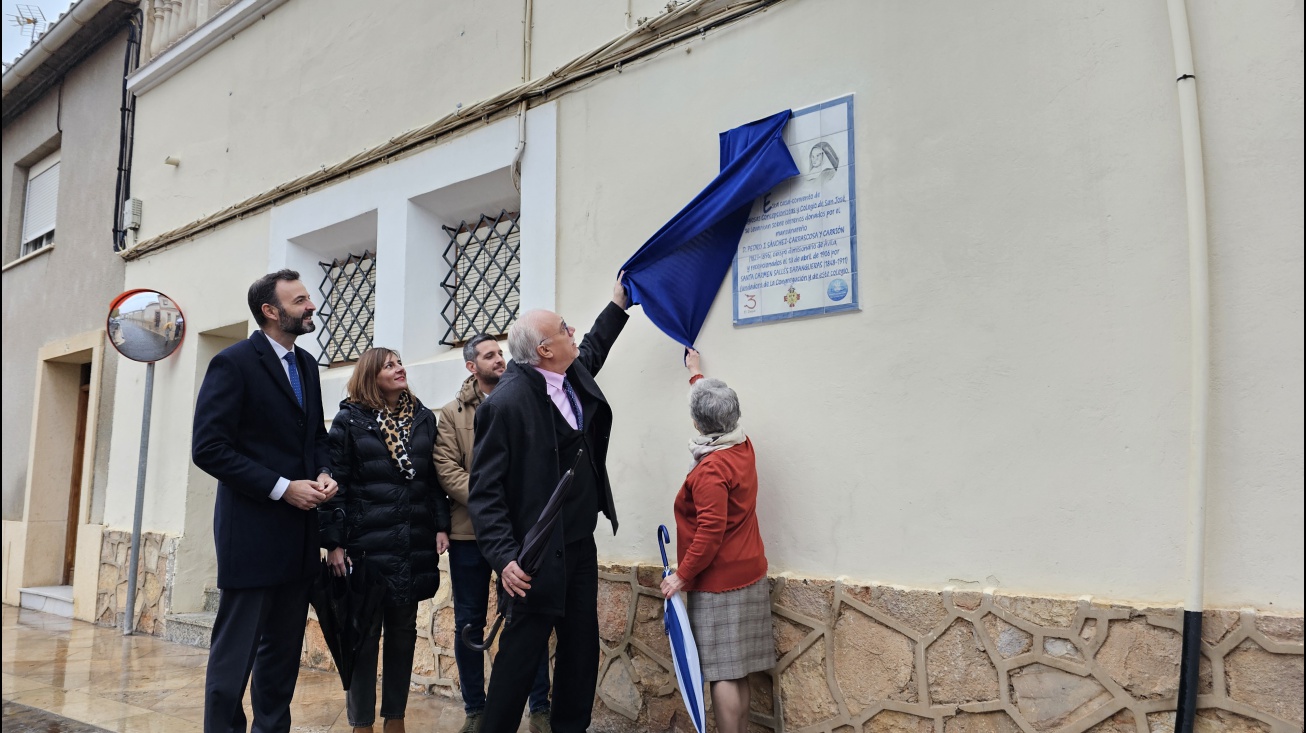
(470, 574)
(400, 629)
(575, 663)
(259, 630)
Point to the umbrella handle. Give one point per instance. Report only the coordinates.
(489, 638)
(664, 537)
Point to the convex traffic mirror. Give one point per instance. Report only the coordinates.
(145, 325)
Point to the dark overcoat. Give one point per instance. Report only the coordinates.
(380, 516)
(515, 461)
(249, 432)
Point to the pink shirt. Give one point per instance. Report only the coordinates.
(553, 385)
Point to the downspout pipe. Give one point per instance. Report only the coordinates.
(1200, 359)
(515, 169)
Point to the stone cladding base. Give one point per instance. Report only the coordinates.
(153, 579)
(868, 658)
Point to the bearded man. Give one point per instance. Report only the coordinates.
(259, 431)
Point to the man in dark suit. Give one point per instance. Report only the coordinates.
(259, 430)
(545, 409)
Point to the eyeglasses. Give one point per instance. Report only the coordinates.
(566, 331)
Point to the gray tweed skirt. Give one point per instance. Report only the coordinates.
(732, 631)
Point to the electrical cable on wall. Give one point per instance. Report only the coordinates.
(126, 132)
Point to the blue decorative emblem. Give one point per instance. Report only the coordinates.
(838, 289)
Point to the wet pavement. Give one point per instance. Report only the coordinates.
(87, 678)
(140, 342)
(22, 719)
(134, 337)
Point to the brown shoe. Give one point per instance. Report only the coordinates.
(393, 725)
(472, 724)
(539, 722)
(363, 729)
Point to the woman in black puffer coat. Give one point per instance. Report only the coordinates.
(391, 511)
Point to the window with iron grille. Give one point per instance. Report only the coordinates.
(484, 269)
(348, 308)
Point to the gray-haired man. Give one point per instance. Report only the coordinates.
(468, 569)
(544, 411)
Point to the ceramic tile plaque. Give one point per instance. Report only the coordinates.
(798, 255)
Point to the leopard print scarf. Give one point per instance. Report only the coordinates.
(396, 430)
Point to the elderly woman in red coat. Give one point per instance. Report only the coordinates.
(721, 562)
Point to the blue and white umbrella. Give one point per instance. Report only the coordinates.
(684, 652)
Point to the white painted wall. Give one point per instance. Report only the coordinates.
(1250, 86)
(1009, 408)
(208, 279)
(395, 210)
(406, 203)
(242, 119)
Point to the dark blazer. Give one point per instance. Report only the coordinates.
(249, 432)
(379, 514)
(515, 460)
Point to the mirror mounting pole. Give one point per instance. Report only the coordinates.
(129, 611)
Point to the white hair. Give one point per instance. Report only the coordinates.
(524, 338)
(714, 406)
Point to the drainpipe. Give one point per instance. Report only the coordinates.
(1199, 356)
(515, 168)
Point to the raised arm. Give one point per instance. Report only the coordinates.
(607, 327)
(694, 364)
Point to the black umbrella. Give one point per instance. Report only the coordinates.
(531, 555)
(348, 611)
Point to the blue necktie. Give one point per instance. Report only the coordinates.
(575, 403)
(294, 377)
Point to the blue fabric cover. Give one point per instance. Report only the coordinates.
(676, 274)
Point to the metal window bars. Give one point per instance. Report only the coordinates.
(348, 308)
(482, 284)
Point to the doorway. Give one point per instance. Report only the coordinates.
(43, 559)
(78, 467)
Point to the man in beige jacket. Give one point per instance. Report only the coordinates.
(468, 570)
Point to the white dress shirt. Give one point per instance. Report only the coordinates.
(282, 483)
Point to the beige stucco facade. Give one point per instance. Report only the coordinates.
(1023, 265)
(55, 301)
(1008, 413)
(1020, 362)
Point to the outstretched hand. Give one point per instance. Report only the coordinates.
(693, 362)
(619, 297)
